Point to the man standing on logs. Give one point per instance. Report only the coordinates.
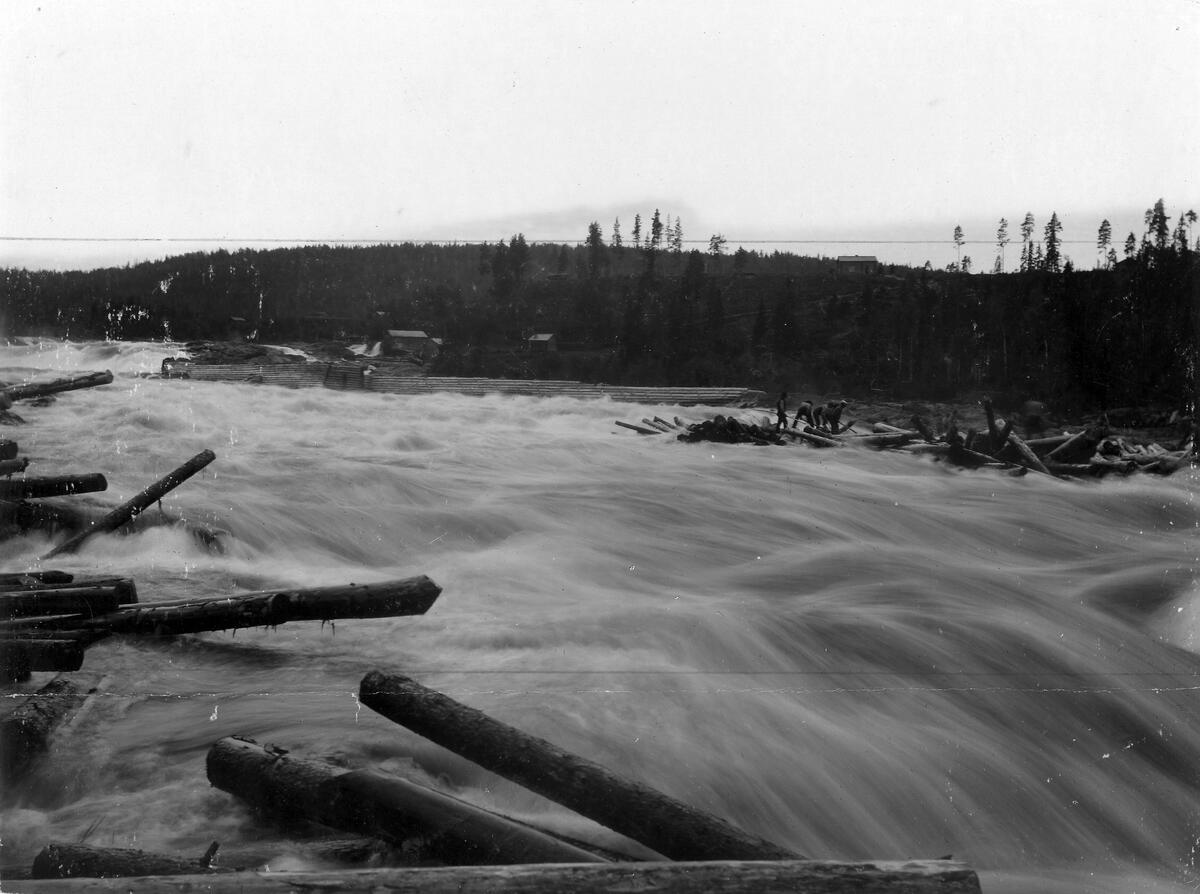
(805, 412)
(781, 412)
(832, 414)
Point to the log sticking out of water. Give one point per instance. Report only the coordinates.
(637, 811)
(26, 730)
(379, 805)
(265, 608)
(52, 486)
(131, 508)
(38, 389)
(710, 877)
(60, 861)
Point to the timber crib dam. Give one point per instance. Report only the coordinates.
(348, 376)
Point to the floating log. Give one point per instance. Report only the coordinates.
(639, 429)
(379, 805)
(61, 861)
(131, 508)
(662, 823)
(264, 608)
(65, 600)
(8, 449)
(25, 731)
(815, 437)
(37, 389)
(13, 466)
(1042, 446)
(661, 426)
(52, 486)
(20, 579)
(710, 877)
(885, 439)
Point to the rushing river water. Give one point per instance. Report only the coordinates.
(855, 654)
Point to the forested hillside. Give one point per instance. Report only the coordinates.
(1124, 332)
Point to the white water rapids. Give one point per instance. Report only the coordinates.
(855, 654)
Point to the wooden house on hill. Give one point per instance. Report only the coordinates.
(857, 264)
(542, 343)
(414, 341)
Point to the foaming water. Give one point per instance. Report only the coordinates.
(856, 654)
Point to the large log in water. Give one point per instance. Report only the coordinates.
(715, 877)
(38, 389)
(12, 466)
(265, 608)
(21, 657)
(52, 486)
(20, 580)
(59, 861)
(658, 821)
(26, 730)
(131, 508)
(379, 805)
(53, 582)
(90, 601)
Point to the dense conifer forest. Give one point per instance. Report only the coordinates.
(1121, 331)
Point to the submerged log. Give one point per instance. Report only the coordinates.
(25, 731)
(265, 608)
(637, 811)
(8, 449)
(37, 389)
(712, 877)
(52, 486)
(131, 508)
(379, 805)
(84, 861)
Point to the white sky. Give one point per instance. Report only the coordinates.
(424, 120)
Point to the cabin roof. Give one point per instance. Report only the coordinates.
(406, 333)
(541, 336)
(842, 259)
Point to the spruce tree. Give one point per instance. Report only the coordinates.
(1053, 260)
(616, 236)
(1104, 239)
(1001, 242)
(637, 231)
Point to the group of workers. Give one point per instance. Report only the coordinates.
(826, 417)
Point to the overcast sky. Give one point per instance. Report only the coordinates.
(421, 120)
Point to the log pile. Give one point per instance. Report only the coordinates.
(1091, 452)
